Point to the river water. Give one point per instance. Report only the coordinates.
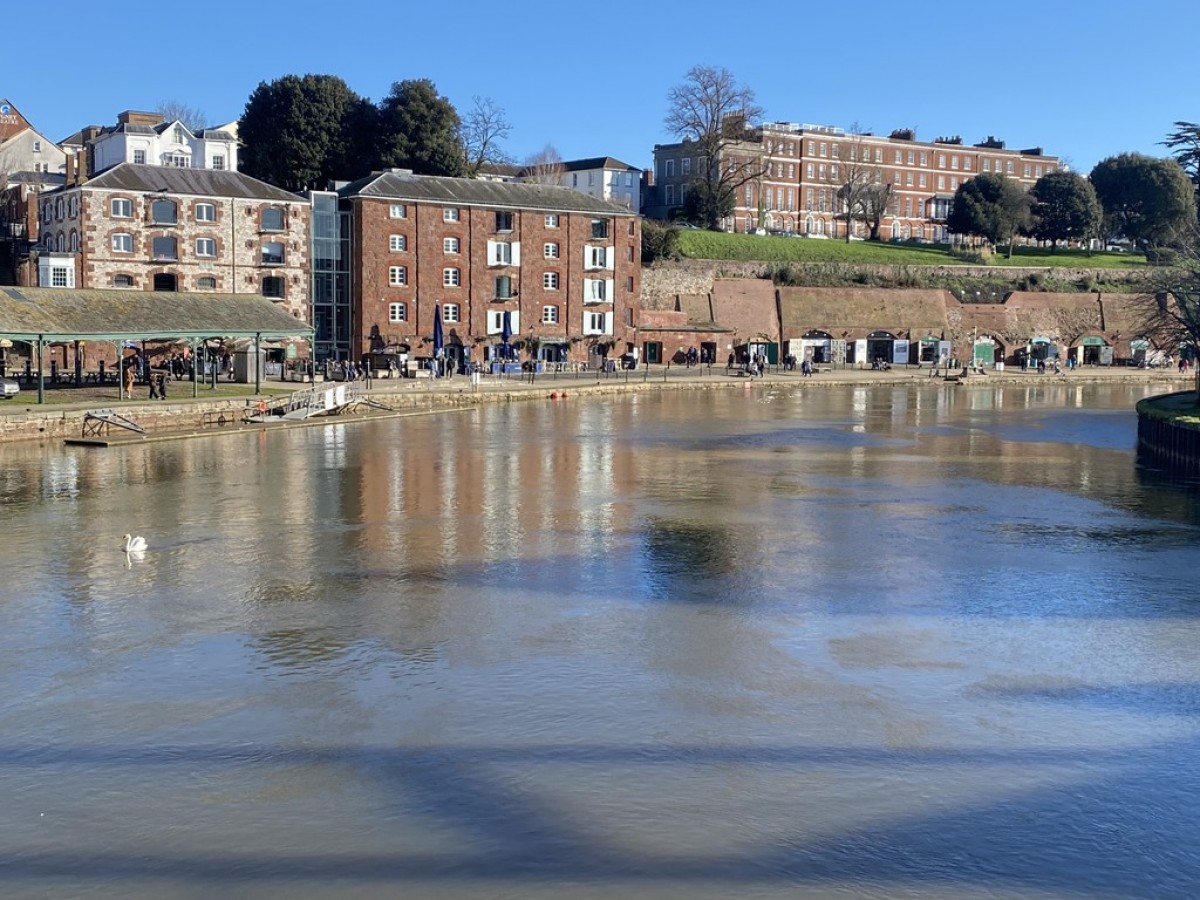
(846, 642)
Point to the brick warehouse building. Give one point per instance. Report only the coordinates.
(565, 267)
(158, 228)
(799, 171)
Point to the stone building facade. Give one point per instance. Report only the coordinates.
(167, 229)
(561, 268)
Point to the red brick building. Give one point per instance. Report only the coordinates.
(799, 172)
(563, 266)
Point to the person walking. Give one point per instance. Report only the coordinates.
(153, 379)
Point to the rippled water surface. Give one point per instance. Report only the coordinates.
(879, 642)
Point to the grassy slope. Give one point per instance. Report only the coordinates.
(755, 248)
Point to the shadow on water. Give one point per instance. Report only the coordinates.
(1119, 830)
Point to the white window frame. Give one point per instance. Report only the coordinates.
(397, 211)
(122, 238)
(125, 203)
(450, 313)
(398, 276)
(552, 220)
(451, 277)
(209, 208)
(397, 243)
(398, 311)
(206, 242)
(450, 214)
(550, 281)
(549, 315)
(450, 245)
(550, 250)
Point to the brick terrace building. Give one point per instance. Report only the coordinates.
(565, 267)
(169, 229)
(803, 167)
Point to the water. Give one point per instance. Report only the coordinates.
(862, 642)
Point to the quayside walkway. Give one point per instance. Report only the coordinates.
(62, 418)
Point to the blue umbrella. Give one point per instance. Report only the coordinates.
(439, 339)
(506, 332)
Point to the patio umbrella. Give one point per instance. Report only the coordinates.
(439, 339)
(506, 333)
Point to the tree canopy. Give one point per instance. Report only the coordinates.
(1149, 201)
(1185, 142)
(1170, 311)
(420, 130)
(1064, 208)
(991, 207)
(711, 110)
(302, 132)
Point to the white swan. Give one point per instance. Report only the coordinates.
(133, 544)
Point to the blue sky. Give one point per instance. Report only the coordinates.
(1083, 80)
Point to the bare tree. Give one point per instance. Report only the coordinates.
(1169, 312)
(862, 190)
(544, 167)
(712, 111)
(193, 119)
(483, 127)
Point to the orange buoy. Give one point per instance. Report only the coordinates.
(554, 395)
(563, 395)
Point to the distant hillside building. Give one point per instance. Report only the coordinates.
(800, 171)
(146, 139)
(30, 163)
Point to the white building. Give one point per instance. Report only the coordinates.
(605, 178)
(144, 138)
(22, 149)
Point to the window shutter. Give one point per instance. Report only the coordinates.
(587, 256)
(610, 255)
(516, 253)
(608, 289)
(515, 318)
(608, 323)
(491, 253)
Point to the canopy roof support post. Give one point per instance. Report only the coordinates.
(40, 375)
(257, 362)
(196, 376)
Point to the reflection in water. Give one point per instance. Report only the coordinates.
(918, 641)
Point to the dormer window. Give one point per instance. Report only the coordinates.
(179, 138)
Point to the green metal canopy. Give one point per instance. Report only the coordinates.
(1092, 341)
(64, 314)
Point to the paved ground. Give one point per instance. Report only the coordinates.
(88, 397)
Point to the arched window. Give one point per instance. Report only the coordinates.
(206, 283)
(123, 281)
(272, 253)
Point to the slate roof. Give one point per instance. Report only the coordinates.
(198, 182)
(403, 185)
(598, 162)
(57, 314)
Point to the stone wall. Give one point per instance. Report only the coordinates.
(696, 276)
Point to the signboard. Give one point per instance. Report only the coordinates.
(837, 351)
(900, 353)
(860, 351)
(1106, 356)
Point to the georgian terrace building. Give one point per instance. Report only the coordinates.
(563, 266)
(160, 228)
(801, 169)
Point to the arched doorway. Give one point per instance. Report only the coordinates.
(1092, 351)
(816, 347)
(881, 347)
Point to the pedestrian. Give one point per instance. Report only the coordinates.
(153, 387)
(163, 381)
(128, 375)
